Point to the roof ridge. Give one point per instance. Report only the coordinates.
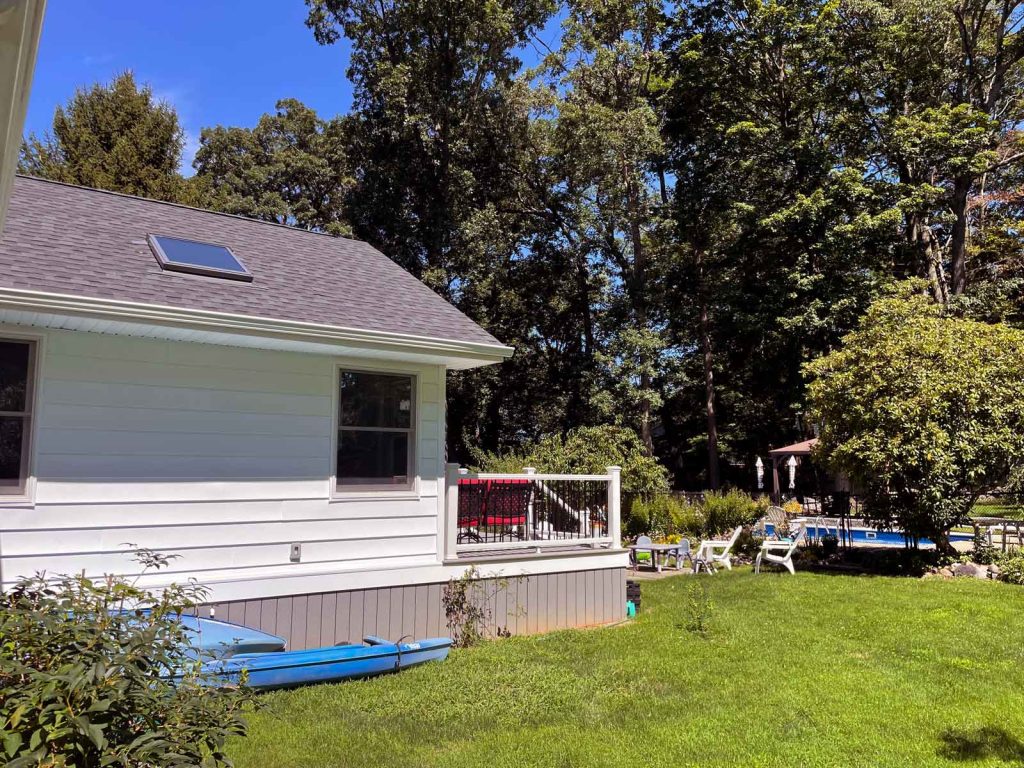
(236, 216)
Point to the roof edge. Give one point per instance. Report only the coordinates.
(248, 325)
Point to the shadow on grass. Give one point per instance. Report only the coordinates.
(981, 744)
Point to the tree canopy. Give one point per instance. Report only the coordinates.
(925, 412)
(115, 137)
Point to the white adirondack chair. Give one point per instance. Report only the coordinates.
(780, 552)
(708, 554)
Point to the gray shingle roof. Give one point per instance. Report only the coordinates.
(85, 242)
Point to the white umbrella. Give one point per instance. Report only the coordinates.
(791, 464)
(760, 473)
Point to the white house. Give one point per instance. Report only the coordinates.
(268, 405)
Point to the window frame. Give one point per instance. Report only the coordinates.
(410, 489)
(23, 493)
(170, 265)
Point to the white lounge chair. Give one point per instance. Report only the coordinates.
(708, 556)
(780, 552)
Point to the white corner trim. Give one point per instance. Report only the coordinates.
(21, 23)
(247, 325)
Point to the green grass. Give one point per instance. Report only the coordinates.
(795, 671)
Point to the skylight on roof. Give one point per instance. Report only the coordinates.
(177, 255)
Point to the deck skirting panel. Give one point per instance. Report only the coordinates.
(521, 605)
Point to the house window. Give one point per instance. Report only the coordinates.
(375, 431)
(17, 360)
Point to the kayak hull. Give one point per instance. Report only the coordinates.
(217, 639)
(288, 669)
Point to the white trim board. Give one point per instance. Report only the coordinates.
(81, 313)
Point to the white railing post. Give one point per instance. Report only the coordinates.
(529, 505)
(451, 510)
(615, 506)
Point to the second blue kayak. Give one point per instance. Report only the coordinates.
(285, 669)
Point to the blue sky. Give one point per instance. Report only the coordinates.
(220, 62)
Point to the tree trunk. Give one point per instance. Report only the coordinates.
(709, 381)
(958, 240)
(922, 239)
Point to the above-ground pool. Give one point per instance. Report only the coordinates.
(864, 535)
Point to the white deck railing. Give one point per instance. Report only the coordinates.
(488, 511)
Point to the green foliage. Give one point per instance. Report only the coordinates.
(588, 450)
(699, 607)
(981, 551)
(668, 515)
(115, 137)
(466, 601)
(663, 514)
(1011, 568)
(725, 510)
(924, 411)
(292, 168)
(83, 678)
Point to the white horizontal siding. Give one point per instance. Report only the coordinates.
(218, 456)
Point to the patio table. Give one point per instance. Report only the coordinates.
(659, 554)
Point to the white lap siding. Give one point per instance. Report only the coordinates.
(221, 456)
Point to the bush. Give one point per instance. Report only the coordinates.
(83, 678)
(1011, 568)
(587, 450)
(923, 411)
(723, 511)
(663, 515)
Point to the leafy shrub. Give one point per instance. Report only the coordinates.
(587, 450)
(922, 410)
(699, 607)
(663, 515)
(84, 677)
(723, 511)
(748, 544)
(829, 544)
(1011, 568)
(983, 552)
(467, 604)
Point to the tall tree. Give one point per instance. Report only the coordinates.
(780, 242)
(291, 168)
(604, 82)
(115, 137)
(438, 140)
(938, 87)
(433, 129)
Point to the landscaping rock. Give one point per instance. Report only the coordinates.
(972, 570)
(994, 571)
(945, 573)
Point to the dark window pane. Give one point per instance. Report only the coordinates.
(11, 431)
(198, 254)
(14, 358)
(373, 458)
(375, 400)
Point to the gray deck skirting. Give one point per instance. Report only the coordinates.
(523, 605)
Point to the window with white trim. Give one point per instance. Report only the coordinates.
(17, 363)
(376, 431)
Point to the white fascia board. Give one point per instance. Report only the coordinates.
(457, 354)
(21, 22)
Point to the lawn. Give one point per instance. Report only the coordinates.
(809, 670)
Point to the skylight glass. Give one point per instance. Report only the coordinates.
(179, 255)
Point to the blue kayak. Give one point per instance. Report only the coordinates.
(286, 669)
(221, 639)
